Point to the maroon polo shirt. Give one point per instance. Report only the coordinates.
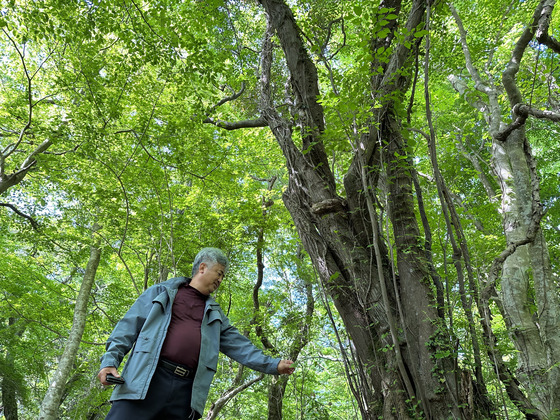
(182, 342)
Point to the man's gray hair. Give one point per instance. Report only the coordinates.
(209, 256)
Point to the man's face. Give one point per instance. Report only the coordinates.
(208, 278)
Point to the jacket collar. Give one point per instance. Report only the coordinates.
(175, 282)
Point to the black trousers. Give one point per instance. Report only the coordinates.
(168, 398)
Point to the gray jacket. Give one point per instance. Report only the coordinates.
(144, 327)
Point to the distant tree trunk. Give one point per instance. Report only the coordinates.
(236, 388)
(9, 387)
(278, 384)
(529, 295)
(52, 399)
(276, 397)
(9, 399)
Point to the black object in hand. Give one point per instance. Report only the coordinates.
(112, 379)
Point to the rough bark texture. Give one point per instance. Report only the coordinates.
(52, 399)
(397, 326)
(398, 369)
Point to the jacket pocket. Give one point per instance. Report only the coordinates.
(162, 300)
(214, 316)
(142, 344)
(212, 365)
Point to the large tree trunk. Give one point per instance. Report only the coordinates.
(393, 321)
(52, 399)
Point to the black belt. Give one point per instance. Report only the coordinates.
(178, 370)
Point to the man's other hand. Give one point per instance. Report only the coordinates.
(102, 375)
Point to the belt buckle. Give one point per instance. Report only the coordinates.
(180, 371)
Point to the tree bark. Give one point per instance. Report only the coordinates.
(530, 298)
(9, 385)
(52, 399)
(228, 395)
(276, 397)
(339, 239)
(9, 398)
(9, 180)
(535, 320)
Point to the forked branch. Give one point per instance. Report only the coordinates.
(522, 112)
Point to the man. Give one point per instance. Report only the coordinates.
(176, 331)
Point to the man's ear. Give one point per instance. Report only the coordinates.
(202, 268)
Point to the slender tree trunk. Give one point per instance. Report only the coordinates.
(426, 334)
(9, 398)
(276, 397)
(530, 298)
(9, 387)
(52, 399)
(475, 161)
(228, 395)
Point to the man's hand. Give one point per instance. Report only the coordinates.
(285, 367)
(102, 375)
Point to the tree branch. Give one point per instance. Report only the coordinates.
(550, 42)
(493, 110)
(19, 213)
(146, 21)
(256, 320)
(21, 55)
(526, 110)
(229, 98)
(542, 30)
(14, 178)
(228, 395)
(517, 123)
(522, 112)
(226, 125)
(127, 202)
(151, 156)
(508, 76)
